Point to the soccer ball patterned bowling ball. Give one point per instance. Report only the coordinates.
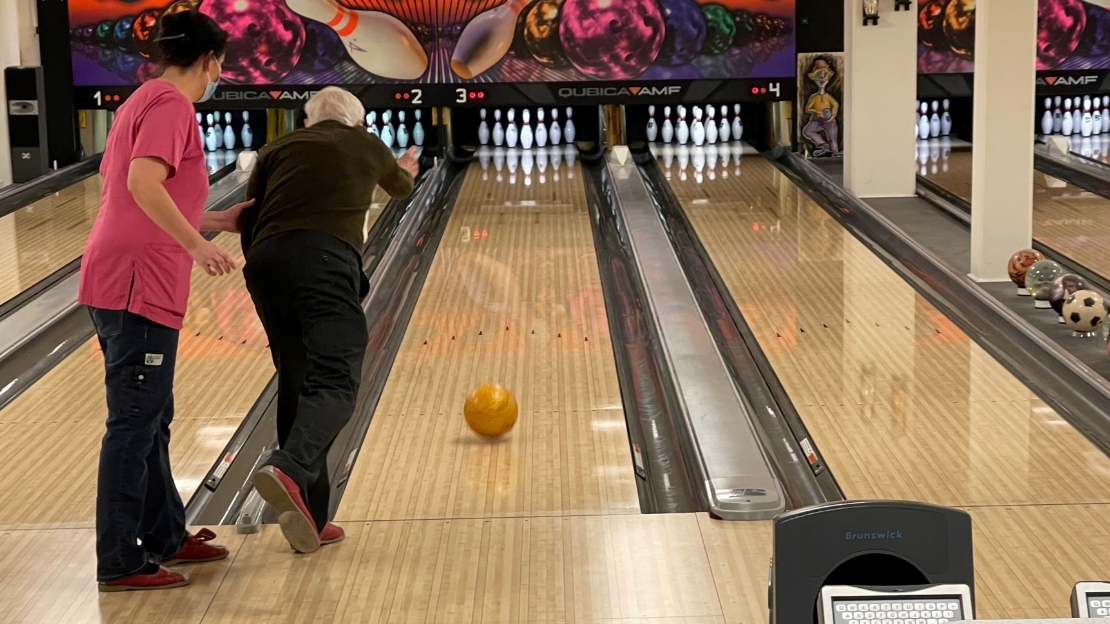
(1084, 311)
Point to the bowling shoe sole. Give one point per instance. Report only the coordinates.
(296, 527)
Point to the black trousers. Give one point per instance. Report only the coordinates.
(307, 287)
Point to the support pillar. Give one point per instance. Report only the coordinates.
(880, 88)
(9, 56)
(1002, 162)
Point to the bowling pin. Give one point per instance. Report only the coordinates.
(737, 124)
(1096, 122)
(1046, 119)
(1087, 122)
(568, 130)
(402, 131)
(210, 134)
(710, 125)
(229, 133)
(418, 130)
(1076, 116)
(541, 129)
(916, 116)
(219, 132)
(498, 129)
(946, 120)
(376, 41)
(372, 124)
(556, 133)
(200, 128)
(652, 129)
(483, 128)
(387, 129)
(923, 122)
(1106, 113)
(683, 132)
(1068, 122)
(668, 127)
(697, 130)
(511, 132)
(1057, 118)
(724, 131)
(526, 135)
(934, 121)
(246, 135)
(485, 39)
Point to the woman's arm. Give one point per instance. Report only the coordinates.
(146, 179)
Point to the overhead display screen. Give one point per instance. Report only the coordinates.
(1072, 35)
(451, 51)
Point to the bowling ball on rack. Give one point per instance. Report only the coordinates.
(1062, 288)
(490, 410)
(1084, 311)
(1020, 263)
(1039, 278)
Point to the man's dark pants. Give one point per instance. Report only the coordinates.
(307, 287)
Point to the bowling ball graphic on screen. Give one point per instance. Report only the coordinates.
(747, 31)
(611, 40)
(959, 27)
(540, 30)
(1060, 25)
(121, 34)
(1062, 288)
(720, 29)
(685, 32)
(1020, 263)
(143, 33)
(265, 39)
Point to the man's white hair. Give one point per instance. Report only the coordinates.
(334, 104)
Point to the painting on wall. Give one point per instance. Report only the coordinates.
(820, 94)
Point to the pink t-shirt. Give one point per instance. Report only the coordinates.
(130, 263)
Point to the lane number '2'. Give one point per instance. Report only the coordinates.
(417, 96)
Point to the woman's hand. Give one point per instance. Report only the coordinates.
(226, 220)
(215, 260)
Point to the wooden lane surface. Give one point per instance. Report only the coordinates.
(902, 403)
(41, 238)
(50, 436)
(542, 527)
(513, 297)
(1068, 219)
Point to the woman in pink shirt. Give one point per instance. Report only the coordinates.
(135, 281)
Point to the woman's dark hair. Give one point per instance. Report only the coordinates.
(185, 36)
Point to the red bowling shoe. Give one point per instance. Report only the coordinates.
(331, 534)
(198, 550)
(164, 578)
(284, 495)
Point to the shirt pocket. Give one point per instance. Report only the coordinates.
(162, 277)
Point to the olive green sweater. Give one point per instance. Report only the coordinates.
(320, 178)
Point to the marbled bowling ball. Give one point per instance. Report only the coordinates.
(121, 33)
(1062, 287)
(720, 29)
(959, 27)
(930, 20)
(103, 33)
(265, 39)
(323, 49)
(611, 39)
(182, 5)
(765, 26)
(1096, 37)
(685, 31)
(1060, 25)
(1020, 263)
(541, 33)
(1039, 278)
(143, 32)
(747, 30)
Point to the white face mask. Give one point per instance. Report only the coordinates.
(210, 90)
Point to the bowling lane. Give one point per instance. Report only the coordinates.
(1068, 219)
(46, 235)
(903, 404)
(514, 297)
(50, 435)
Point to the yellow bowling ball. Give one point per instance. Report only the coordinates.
(490, 410)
